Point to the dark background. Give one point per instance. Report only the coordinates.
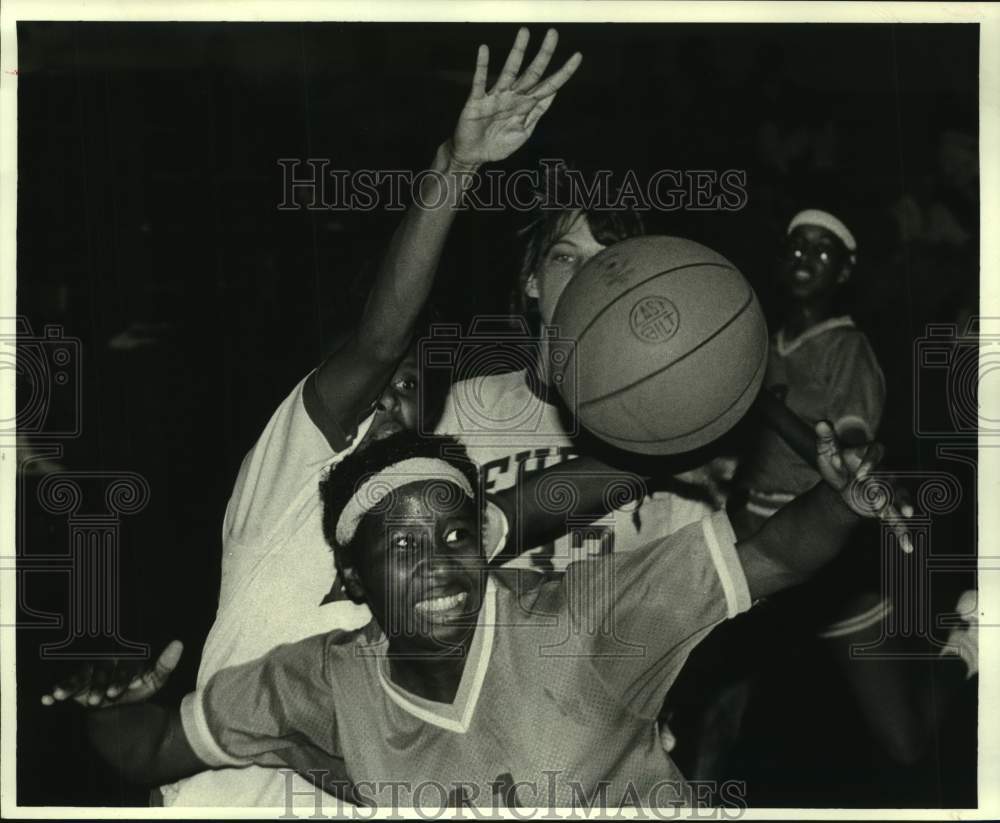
(148, 229)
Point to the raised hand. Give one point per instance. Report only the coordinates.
(494, 124)
(848, 471)
(117, 682)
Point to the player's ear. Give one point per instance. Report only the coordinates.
(352, 584)
(531, 287)
(847, 269)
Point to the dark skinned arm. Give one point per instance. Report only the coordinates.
(809, 532)
(492, 125)
(584, 488)
(144, 742)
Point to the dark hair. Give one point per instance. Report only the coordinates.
(547, 225)
(344, 478)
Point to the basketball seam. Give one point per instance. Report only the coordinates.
(739, 397)
(632, 288)
(609, 306)
(676, 360)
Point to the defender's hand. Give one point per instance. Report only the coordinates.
(848, 471)
(494, 124)
(117, 682)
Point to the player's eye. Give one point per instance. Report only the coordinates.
(562, 256)
(824, 257)
(456, 535)
(797, 254)
(403, 541)
(406, 385)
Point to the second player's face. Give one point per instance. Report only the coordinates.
(397, 405)
(561, 262)
(423, 565)
(814, 263)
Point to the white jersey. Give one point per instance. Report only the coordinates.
(276, 571)
(510, 432)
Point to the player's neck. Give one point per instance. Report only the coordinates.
(427, 675)
(802, 316)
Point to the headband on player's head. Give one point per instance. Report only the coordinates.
(825, 220)
(385, 481)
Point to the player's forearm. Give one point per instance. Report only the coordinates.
(539, 509)
(805, 535)
(135, 740)
(407, 272)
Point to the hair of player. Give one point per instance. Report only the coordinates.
(344, 478)
(547, 225)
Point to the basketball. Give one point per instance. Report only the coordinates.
(669, 345)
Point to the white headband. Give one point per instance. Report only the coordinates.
(825, 220)
(383, 483)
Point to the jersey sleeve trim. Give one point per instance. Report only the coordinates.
(497, 529)
(199, 735)
(859, 622)
(721, 541)
(338, 439)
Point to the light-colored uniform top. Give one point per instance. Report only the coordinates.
(510, 432)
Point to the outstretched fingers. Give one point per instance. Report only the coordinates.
(70, 687)
(478, 90)
(897, 521)
(881, 498)
(538, 66)
(558, 80)
(513, 63)
(165, 665)
(828, 449)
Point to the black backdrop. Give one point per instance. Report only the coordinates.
(147, 199)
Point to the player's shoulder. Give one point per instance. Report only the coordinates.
(848, 340)
(343, 644)
(840, 331)
(527, 591)
(475, 404)
(490, 387)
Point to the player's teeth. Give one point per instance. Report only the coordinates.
(440, 604)
(802, 275)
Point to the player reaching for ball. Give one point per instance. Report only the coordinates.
(273, 547)
(502, 688)
(479, 411)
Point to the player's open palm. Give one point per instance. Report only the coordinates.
(494, 124)
(849, 472)
(116, 682)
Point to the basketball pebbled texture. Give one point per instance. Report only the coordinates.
(670, 345)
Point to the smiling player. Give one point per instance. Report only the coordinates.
(502, 688)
